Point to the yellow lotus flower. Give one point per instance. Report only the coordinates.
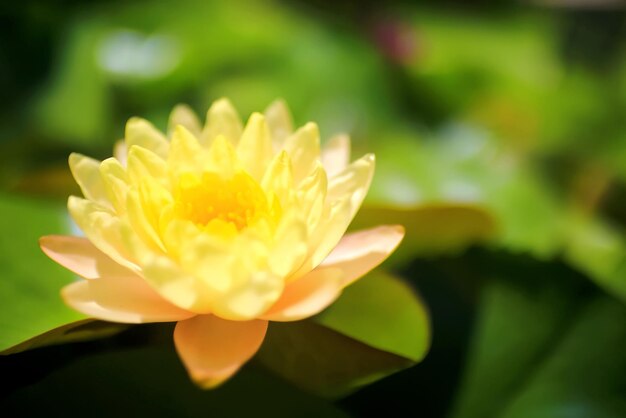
(222, 229)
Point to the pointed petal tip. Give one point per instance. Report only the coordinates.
(360, 252)
(45, 238)
(279, 106)
(210, 382)
(181, 107)
(220, 105)
(279, 101)
(74, 157)
(313, 127)
(400, 229)
(134, 123)
(256, 118)
(45, 243)
(214, 349)
(181, 130)
(73, 201)
(307, 296)
(223, 101)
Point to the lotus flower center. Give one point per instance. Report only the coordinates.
(209, 200)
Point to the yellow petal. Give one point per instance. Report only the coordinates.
(327, 235)
(255, 147)
(183, 115)
(222, 157)
(115, 183)
(354, 181)
(222, 119)
(144, 163)
(177, 286)
(142, 133)
(80, 256)
(213, 276)
(279, 122)
(307, 296)
(359, 252)
(290, 248)
(138, 217)
(107, 232)
(126, 299)
(209, 258)
(278, 179)
(213, 349)
(303, 147)
(120, 152)
(154, 200)
(185, 151)
(311, 194)
(260, 290)
(336, 155)
(86, 172)
(346, 193)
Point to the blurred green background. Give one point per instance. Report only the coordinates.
(500, 134)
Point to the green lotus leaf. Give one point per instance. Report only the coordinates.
(377, 327)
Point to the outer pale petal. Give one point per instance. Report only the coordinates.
(185, 151)
(222, 156)
(347, 191)
(359, 252)
(115, 183)
(213, 349)
(126, 299)
(177, 286)
(183, 115)
(307, 296)
(278, 179)
(290, 248)
(248, 301)
(311, 194)
(279, 122)
(353, 182)
(143, 133)
(336, 155)
(101, 227)
(255, 147)
(86, 172)
(222, 119)
(106, 231)
(120, 152)
(80, 256)
(303, 146)
(140, 222)
(144, 163)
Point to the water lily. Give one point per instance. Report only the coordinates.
(220, 228)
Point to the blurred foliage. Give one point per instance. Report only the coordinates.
(500, 137)
(130, 371)
(29, 289)
(376, 327)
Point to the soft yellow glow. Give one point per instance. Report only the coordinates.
(221, 227)
(219, 219)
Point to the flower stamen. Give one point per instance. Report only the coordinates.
(211, 201)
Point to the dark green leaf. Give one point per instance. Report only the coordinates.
(323, 361)
(584, 375)
(546, 345)
(383, 312)
(377, 327)
(32, 313)
(152, 382)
